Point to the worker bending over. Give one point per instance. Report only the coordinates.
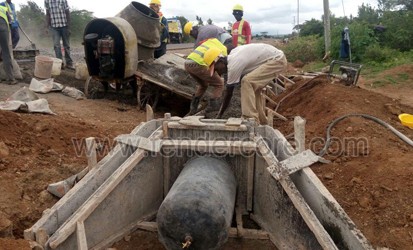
(241, 29)
(197, 65)
(257, 64)
(203, 33)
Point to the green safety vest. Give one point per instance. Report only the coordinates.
(10, 11)
(198, 54)
(3, 14)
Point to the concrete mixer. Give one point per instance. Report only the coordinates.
(114, 45)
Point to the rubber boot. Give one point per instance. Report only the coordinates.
(194, 105)
(213, 105)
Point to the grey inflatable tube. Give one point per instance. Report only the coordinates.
(198, 209)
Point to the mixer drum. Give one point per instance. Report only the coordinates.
(199, 207)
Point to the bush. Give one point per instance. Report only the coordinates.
(361, 37)
(305, 49)
(375, 53)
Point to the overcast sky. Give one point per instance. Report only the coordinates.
(274, 17)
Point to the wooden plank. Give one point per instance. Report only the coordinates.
(81, 236)
(192, 121)
(91, 152)
(276, 114)
(148, 226)
(302, 207)
(41, 236)
(100, 194)
(212, 127)
(166, 174)
(238, 219)
(251, 234)
(250, 181)
(149, 113)
(233, 122)
(299, 133)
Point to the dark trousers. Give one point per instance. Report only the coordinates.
(62, 33)
(5, 51)
(15, 36)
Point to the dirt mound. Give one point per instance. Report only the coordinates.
(371, 174)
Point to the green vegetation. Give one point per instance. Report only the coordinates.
(380, 38)
(32, 19)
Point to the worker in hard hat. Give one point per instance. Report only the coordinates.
(197, 65)
(205, 32)
(155, 5)
(241, 29)
(254, 66)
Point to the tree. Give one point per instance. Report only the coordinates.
(79, 20)
(312, 27)
(200, 22)
(32, 18)
(368, 14)
(387, 5)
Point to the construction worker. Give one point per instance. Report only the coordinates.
(258, 63)
(155, 5)
(4, 45)
(203, 33)
(241, 29)
(58, 20)
(14, 24)
(197, 66)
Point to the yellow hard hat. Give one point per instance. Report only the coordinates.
(158, 2)
(211, 55)
(238, 7)
(188, 27)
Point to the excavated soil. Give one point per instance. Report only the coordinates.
(371, 179)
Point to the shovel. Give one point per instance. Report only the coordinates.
(31, 42)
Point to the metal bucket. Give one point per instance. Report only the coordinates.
(145, 22)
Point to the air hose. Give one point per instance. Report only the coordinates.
(369, 117)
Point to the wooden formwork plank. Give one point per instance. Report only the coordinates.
(81, 236)
(298, 201)
(211, 127)
(276, 114)
(250, 181)
(100, 194)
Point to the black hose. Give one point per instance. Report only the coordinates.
(375, 119)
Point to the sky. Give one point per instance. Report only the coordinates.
(274, 17)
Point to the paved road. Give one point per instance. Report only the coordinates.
(177, 46)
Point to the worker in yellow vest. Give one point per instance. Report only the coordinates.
(14, 24)
(155, 5)
(198, 67)
(241, 29)
(4, 44)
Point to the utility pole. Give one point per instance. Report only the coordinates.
(327, 33)
(298, 17)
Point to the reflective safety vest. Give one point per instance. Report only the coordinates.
(3, 14)
(198, 54)
(11, 12)
(238, 32)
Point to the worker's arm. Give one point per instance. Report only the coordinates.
(68, 17)
(227, 99)
(247, 32)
